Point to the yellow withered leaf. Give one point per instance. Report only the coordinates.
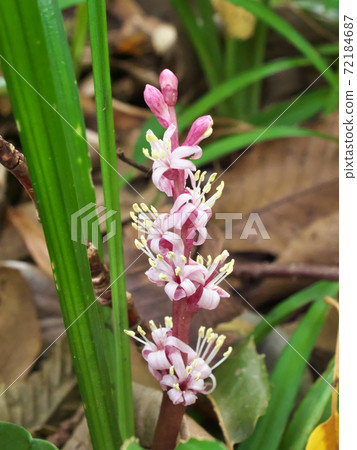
(325, 436)
(239, 23)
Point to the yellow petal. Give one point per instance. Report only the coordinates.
(325, 436)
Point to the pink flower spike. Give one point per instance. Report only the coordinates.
(156, 102)
(200, 129)
(169, 85)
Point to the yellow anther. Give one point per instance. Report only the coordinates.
(208, 132)
(221, 186)
(228, 352)
(162, 276)
(220, 341)
(163, 154)
(199, 259)
(201, 332)
(150, 137)
(143, 240)
(197, 175)
(146, 152)
(133, 216)
(152, 325)
(172, 370)
(138, 244)
(129, 333)
(198, 376)
(194, 363)
(136, 208)
(207, 188)
(212, 337)
(223, 268)
(171, 254)
(160, 257)
(212, 177)
(148, 223)
(155, 154)
(184, 259)
(178, 271)
(168, 322)
(209, 333)
(135, 226)
(188, 369)
(209, 260)
(144, 207)
(141, 331)
(176, 386)
(152, 262)
(218, 259)
(203, 175)
(154, 210)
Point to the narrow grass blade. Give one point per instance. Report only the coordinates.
(235, 84)
(103, 97)
(314, 292)
(41, 84)
(308, 413)
(286, 379)
(295, 38)
(79, 36)
(232, 143)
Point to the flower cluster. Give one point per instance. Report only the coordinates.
(168, 239)
(181, 371)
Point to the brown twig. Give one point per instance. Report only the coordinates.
(131, 162)
(260, 270)
(15, 162)
(66, 428)
(101, 285)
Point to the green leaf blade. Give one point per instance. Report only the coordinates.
(242, 377)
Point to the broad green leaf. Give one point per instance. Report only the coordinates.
(195, 444)
(316, 291)
(266, 14)
(13, 437)
(43, 94)
(230, 144)
(309, 412)
(242, 392)
(285, 380)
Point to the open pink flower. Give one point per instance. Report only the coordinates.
(170, 167)
(179, 276)
(191, 209)
(182, 371)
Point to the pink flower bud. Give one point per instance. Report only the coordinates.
(169, 84)
(155, 101)
(200, 129)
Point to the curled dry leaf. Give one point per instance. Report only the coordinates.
(325, 436)
(20, 339)
(25, 220)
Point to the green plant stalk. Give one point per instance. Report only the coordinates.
(258, 53)
(315, 292)
(286, 379)
(309, 412)
(281, 26)
(33, 43)
(188, 19)
(79, 36)
(103, 97)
